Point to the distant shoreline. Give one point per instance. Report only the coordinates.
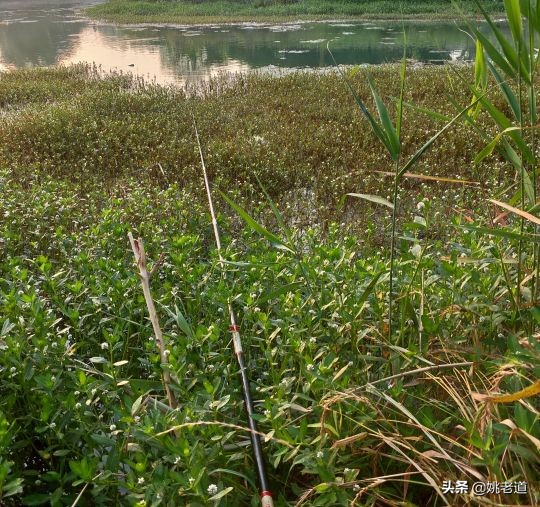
(142, 12)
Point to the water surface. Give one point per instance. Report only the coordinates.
(50, 32)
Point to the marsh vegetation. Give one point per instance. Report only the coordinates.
(365, 395)
(223, 11)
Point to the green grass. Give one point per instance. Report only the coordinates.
(298, 134)
(136, 11)
(80, 374)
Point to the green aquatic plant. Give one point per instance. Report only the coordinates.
(212, 11)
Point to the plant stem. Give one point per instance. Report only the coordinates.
(392, 247)
(140, 258)
(522, 221)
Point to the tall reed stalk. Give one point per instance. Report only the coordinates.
(512, 64)
(390, 136)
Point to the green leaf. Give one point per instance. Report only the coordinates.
(61, 452)
(7, 326)
(428, 112)
(509, 95)
(237, 474)
(377, 129)
(272, 238)
(504, 123)
(277, 214)
(36, 499)
(516, 65)
(277, 292)
(13, 487)
(323, 486)
(374, 198)
(503, 232)
(430, 141)
(493, 53)
(390, 131)
(136, 405)
(221, 494)
(480, 76)
(98, 360)
(402, 77)
(488, 149)
(513, 14)
(100, 439)
(480, 70)
(182, 323)
(369, 289)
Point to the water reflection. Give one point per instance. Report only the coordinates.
(48, 32)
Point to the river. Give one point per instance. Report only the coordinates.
(51, 32)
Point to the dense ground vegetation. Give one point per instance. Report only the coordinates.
(221, 11)
(356, 408)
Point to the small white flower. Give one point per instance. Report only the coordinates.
(140, 480)
(310, 367)
(88, 402)
(212, 489)
(76, 393)
(94, 391)
(320, 455)
(112, 427)
(78, 405)
(53, 425)
(191, 480)
(13, 369)
(104, 346)
(167, 352)
(356, 487)
(313, 340)
(177, 460)
(420, 205)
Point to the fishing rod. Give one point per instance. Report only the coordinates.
(266, 496)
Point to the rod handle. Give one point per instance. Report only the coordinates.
(266, 499)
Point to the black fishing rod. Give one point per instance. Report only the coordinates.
(266, 496)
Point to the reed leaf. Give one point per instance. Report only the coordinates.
(389, 130)
(490, 147)
(272, 238)
(509, 95)
(378, 130)
(505, 124)
(480, 76)
(373, 198)
(513, 13)
(494, 53)
(503, 232)
(521, 213)
(430, 141)
(516, 63)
